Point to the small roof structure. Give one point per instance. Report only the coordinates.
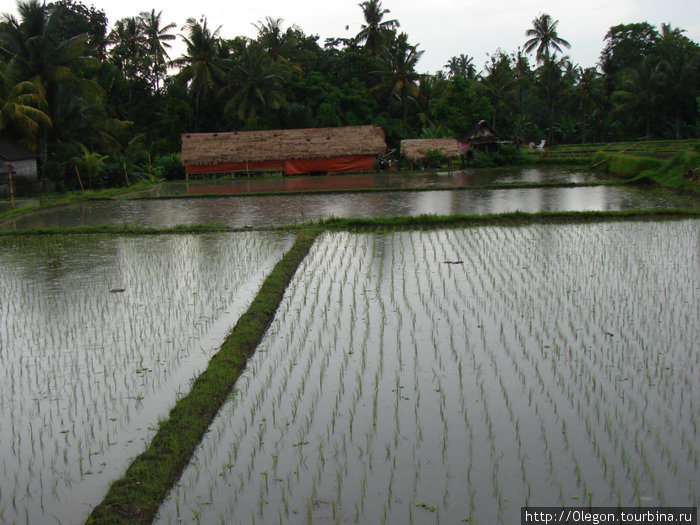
(208, 149)
(480, 133)
(14, 151)
(416, 149)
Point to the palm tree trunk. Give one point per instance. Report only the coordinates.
(404, 107)
(196, 111)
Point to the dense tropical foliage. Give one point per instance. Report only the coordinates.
(111, 101)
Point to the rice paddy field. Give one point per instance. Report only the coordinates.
(451, 376)
(99, 335)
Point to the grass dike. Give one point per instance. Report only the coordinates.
(136, 497)
(681, 172)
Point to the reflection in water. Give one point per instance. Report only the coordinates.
(274, 210)
(377, 180)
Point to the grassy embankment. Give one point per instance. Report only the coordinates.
(661, 162)
(585, 153)
(516, 218)
(47, 200)
(135, 497)
(647, 170)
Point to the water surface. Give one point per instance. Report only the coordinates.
(275, 210)
(386, 179)
(99, 335)
(451, 376)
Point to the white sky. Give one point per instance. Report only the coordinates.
(442, 28)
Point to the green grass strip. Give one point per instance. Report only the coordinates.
(130, 229)
(276, 193)
(50, 200)
(135, 498)
(516, 218)
(405, 221)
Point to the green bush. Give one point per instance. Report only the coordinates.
(625, 165)
(434, 159)
(505, 155)
(168, 167)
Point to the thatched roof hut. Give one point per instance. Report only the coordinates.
(415, 149)
(480, 134)
(20, 159)
(293, 151)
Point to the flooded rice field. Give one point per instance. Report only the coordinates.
(275, 210)
(99, 335)
(456, 375)
(385, 179)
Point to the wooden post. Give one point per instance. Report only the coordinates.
(126, 175)
(79, 179)
(9, 168)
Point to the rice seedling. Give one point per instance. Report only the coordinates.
(112, 355)
(490, 369)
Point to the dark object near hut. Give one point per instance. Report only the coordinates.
(18, 169)
(479, 137)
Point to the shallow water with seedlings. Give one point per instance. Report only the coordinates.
(98, 337)
(457, 375)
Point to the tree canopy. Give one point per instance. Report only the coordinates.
(111, 100)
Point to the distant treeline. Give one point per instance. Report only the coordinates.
(112, 102)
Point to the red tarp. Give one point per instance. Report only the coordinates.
(334, 164)
(294, 167)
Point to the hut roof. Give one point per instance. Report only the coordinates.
(11, 151)
(415, 149)
(203, 149)
(480, 133)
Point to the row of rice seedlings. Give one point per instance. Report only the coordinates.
(86, 373)
(477, 364)
(568, 388)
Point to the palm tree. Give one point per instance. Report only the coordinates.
(271, 37)
(128, 48)
(20, 105)
(544, 37)
(31, 46)
(682, 65)
(462, 65)
(36, 54)
(202, 67)
(497, 86)
(550, 86)
(400, 61)
(588, 94)
(157, 40)
(259, 84)
(376, 33)
(641, 90)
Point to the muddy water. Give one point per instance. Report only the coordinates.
(98, 338)
(273, 210)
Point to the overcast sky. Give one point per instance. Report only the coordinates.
(442, 28)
